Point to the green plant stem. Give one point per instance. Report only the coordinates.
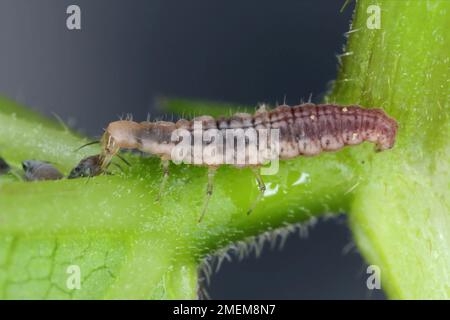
(121, 209)
(400, 216)
(128, 246)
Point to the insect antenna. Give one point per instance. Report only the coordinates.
(123, 159)
(87, 144)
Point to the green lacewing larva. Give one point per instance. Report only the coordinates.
(304, 130)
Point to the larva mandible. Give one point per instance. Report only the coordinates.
(304, 130)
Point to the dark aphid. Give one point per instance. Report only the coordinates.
(39, 170)
(87, 167)
(4, 167)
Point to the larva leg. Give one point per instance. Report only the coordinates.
(165, 165)
(261, 186)
(209, 190)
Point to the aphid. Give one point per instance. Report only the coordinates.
(87, 167)
(4, 167)
(304, 130)
(39, 170)
(91, 166)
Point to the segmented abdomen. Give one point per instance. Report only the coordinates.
(310, 129)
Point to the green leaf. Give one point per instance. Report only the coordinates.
(128, 246)
(111, 227)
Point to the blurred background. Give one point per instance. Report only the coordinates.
(128, 53)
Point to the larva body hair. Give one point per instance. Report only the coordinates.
(303, 130)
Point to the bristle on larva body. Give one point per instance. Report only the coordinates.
(304, 130)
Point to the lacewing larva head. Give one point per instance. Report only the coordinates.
(118, 134)
(126, 134)
(87, 167)
(40, 170)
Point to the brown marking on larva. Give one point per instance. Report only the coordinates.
(261, 118)
(240, 121)
(159, 132)
(183, 124)
(207, 122)
(221, 123)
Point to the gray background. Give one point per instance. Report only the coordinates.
(129, 52)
